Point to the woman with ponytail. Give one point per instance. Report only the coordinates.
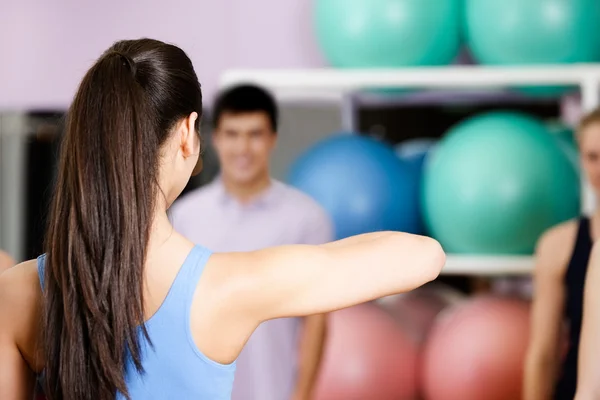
(122, 307)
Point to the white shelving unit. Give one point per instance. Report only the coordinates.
(488, 265)
(332, 85)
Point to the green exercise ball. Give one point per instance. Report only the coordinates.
(567, 141)
(522, 32)
(495, 182)
(508, 32)
(388, 33)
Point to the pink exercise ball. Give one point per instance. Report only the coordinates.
(367, 356)
(476, 351)
(417, 310)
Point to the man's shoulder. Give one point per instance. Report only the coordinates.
(196, 200)
(202, 194)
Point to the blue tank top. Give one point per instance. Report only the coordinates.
(174, 367)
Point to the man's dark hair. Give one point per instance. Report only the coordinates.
(245, 99)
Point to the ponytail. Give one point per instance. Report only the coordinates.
(97, 235)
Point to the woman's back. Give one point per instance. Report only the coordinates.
(173, 365)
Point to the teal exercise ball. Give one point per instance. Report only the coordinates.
(388, 33)
(415, 152)
(495, 182)
(361, 183)
(508, 32)
(567, 141)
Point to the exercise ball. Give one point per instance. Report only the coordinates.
(495, 182)
(414, 151)
(361, 183)
(563, 133)
(388, 33)
(566, 140)
(367, 356)
(417, 310)
(534, 31)
(476, 350)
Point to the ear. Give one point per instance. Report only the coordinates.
(190, 139)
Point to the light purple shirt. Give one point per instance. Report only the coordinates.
(209, 216)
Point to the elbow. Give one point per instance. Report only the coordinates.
(435, 258)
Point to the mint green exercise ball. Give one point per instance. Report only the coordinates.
(528, 32)
(565, 136)
(495, 182)
(518, 32)
(388, 33)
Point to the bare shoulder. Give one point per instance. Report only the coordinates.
(225, 272)
(20, 290)
(554, 248)
(20, 310)
(232, 275)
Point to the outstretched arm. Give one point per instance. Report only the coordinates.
(301, 280)
(238, 291)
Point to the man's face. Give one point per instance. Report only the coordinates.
(244, 142)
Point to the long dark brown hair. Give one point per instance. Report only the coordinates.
(101, 214)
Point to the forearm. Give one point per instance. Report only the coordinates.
(540, 378)
(312, 343)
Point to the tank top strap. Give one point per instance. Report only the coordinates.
(577, 267)
(185, 282)
(184, 285)
(584, 234)
(41, 266)
(194, 272)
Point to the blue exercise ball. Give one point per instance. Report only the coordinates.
(361, 182)
(507, 32)
(388, 33)
(415, 151)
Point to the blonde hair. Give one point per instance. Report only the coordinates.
(590, 118)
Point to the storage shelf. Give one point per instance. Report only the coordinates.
(331, 84)
(484, 265)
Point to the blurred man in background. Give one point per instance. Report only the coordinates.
(245, 209)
